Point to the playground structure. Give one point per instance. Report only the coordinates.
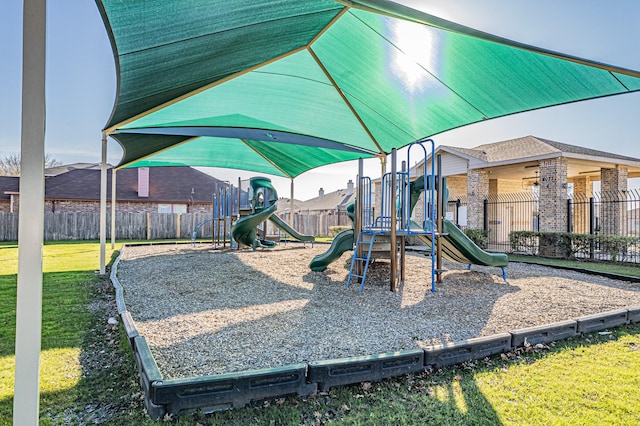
(227, 203)
(263, 203)
(384, 235)
(251, 203)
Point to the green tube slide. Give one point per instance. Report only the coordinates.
(244, 230)
(264, 202)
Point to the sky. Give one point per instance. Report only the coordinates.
(81, 81)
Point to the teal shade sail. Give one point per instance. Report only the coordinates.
(283, 86)
(275, 158)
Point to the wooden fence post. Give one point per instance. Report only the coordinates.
(148, 226)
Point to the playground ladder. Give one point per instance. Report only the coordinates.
(366, 257)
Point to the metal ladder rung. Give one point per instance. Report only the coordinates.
(366, 259)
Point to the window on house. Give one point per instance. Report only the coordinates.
(172, 208)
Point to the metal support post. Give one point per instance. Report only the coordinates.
(439, 214)
(26, 393)
(359, 216)
(394, 215)
(291, 205)
(113, 208)
(103, 206)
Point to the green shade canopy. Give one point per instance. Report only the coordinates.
(275, 158)
(283, 86)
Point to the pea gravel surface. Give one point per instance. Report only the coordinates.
(206, 311)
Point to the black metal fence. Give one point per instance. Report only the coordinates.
(604, 214)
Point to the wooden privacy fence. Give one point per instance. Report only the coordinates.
(312, 224)
(143, 226)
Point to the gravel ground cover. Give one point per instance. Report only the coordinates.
(207, 311)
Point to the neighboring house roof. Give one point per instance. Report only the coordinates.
(8, 184)
(467, 152)
(337, 199)
(54, 171)
(510, 159)
(284, 204)
(166, 184)
(531, 146)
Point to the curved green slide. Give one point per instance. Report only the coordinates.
(342, 242)
(264, 203)
(244, 230)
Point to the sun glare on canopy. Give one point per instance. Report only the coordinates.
(414, 56)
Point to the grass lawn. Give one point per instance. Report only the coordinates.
(609, 267)
(88, 374)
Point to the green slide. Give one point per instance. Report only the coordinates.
(456, 245)
(264, 203)
(341, 243)
(459, 248)
(244, 230)
(289, 230)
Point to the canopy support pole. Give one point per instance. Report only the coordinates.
(291, 206)
(113, 208)
(26, 401)
(440, 210)
(383, 165)
(393, 240)
(103, 206)
(359, 217)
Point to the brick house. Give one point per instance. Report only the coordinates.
(553, 168)
(156, 189)
(8, 186)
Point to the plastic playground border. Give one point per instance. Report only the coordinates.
(235, 390)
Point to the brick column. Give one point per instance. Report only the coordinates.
(553, 195)
(582, 192)
(553, 202)
(477, 192)
(613, 219)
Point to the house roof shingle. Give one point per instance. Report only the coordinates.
(166, 184)
(340, 198)
(531, 146)
(8, 184)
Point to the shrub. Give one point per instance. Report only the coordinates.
(572, 246)
(526, 242)
(479, 236)
(335, 230)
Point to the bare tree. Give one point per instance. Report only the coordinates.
(10, 164)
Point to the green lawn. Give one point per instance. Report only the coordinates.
(608, 267)
(88, 375)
